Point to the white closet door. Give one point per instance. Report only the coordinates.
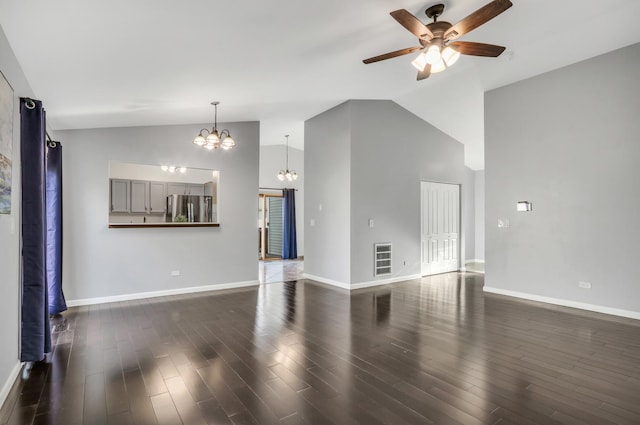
(440, 226)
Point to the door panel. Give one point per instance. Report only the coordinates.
(157, 197)
(440, 224)
(139, 196)
(120, 195)
(274, 226)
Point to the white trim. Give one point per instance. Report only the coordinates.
(361, 285)
(11, 379)
(565, 303)
(153, 294)
(327, 281)
(475, 260)
(384, 281)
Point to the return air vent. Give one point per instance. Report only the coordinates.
(382, 259)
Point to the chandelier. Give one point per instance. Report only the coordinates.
(212, 139)
(287, 173)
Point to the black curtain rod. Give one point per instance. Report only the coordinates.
(276, 188)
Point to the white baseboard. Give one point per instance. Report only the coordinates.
(384, 281)
(361, 284)
(327, 281)
(11, 379)
(565, 303)
(475, 260)
(153, 294)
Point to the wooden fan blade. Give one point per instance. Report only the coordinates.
(412, 23)
(477, 49)
(477, 18)
(392, 54)
(424, 74)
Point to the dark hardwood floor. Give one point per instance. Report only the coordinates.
(430, 351)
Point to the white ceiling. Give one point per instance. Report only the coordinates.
(99, 63)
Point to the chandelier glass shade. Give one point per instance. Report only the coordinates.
(287, 174)
(212, 139)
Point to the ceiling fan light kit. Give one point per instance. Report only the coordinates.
(437, 50)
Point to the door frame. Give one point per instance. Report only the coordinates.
(262, 235)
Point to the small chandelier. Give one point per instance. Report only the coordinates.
(212, 139)
(287, 173)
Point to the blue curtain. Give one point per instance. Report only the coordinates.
(289, 244)
(35, 335)
(57, 303)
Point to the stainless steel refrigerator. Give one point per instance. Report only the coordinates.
(190, 209)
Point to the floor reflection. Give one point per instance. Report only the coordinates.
(382, 304)
(275, 271)
(290, 300)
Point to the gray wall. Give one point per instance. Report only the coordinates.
(479, 215)
(272, 160)
(10, 229)
(103, 262)
(392, 150)
(568, 141)
(364, 159)
(327, 162)
(468, 214)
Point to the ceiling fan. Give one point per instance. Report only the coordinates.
(437, 48)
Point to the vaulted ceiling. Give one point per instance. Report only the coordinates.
(148, 62)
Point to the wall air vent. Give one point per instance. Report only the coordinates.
(381, 259)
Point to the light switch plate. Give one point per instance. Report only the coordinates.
(371, 223)
(312, 222)
(523, 206)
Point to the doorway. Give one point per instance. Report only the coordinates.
(440, 227)
(271, 267)
(270, 226)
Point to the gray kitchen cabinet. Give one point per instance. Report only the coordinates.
(176, 189)
(120, 196)
(185, 189)
(139, 196)
(195, 189)
(157, 197)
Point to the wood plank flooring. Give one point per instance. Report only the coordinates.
(431, 351)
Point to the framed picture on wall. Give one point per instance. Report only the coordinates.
(6, 143)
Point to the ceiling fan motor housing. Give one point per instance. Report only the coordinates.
(439, 28)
